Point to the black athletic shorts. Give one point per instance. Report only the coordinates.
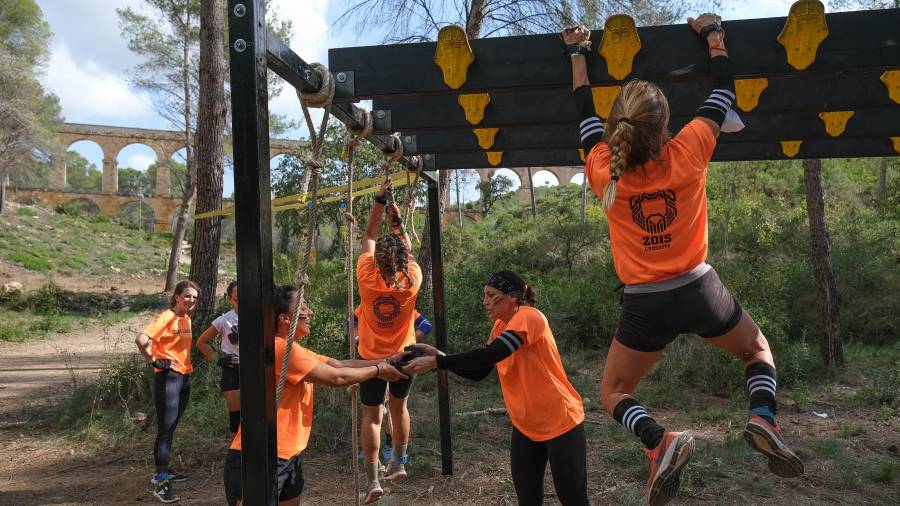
(371, 392)
(231, 379)
(289, 475)
(651, 320)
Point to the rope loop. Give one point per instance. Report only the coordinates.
(356, 136)
(392, 156)
(325, 94)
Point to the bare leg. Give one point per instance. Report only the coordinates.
(623, 371)
(746, 342)
(371, 432)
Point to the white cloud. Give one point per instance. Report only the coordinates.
(139, 162)
(88, 93)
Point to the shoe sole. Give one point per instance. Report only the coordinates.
(665, 487)
(373, 496)
(163, 500)
(782, 461)
(396, 476)
(176, 480)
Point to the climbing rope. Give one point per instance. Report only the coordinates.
(408, 215)
(322, 99)
(354, 140)
(389, 158)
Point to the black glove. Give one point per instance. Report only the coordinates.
(233, 335)
(411, 353)
(162, 364)
(225, 360)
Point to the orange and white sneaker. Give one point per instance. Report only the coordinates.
(666, 462)
(766, 438)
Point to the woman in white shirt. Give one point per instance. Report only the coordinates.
(226, 326)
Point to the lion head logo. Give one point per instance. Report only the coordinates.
(386, 308)
(654, 212)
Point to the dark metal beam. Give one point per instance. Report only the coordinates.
(440, 323)
(801, 92)
(290, 67)
(871, 123)
(858, 40)
(737, 151)
(253, 228)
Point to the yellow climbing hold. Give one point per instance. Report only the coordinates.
(804, 30)
(494, 157)
(748, 92)
(474, 104)
(891, 79)
(835, 121)
(604, 96)
(790, 148)
(619, 45)
(453, 55)
(581, 153)
(485, 136)
(896, 141)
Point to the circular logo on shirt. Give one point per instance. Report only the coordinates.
(654, 212)
(386, 308)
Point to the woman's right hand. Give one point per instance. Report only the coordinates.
(389, 373)
(426, 349)
(706, 19)
(386, 186)
(575, 35)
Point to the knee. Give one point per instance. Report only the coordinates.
(372, 415)
(610, 395)
(756, 350)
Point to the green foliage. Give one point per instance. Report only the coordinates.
(82, 175)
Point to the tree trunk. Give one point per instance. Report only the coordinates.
(531, 192)
(831, 345)
(882, 175)
(4, 181)
(210, 155)
(190, 179)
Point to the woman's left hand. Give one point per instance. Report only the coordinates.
(420, 365)
(576, 35)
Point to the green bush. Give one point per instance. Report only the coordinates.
(31, 260)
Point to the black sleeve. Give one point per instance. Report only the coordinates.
(590, 127)
(476, 375)
(722, 96)
(476, 360)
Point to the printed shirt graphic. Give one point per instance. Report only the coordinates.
(225, 325)
(540, 401)
(295, 413)
(386, 315)
(657, 225)
(170, 338)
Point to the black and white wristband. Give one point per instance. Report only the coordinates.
(577, 50)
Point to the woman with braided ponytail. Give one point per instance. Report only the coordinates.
(653, 189)
(389, 279)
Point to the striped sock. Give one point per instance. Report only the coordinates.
(635, 418)
(762, 385)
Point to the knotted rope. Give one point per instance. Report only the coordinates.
(408, 216)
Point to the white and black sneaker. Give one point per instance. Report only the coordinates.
(164, 492)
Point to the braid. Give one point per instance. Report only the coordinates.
(620, 149)
(392, 258)
(402, 264)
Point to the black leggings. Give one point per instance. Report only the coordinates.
(568, 465)
(171, 391)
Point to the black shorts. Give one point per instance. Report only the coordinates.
(371, 392)
(650, 321)
(289, 475)
(231, 379)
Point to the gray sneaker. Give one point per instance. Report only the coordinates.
(395, 472)
(374, 494)
(164, 492)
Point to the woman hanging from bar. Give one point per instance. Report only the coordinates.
(166, 344)
(547, 413)
(294, 416)
(389, 279)
(226, 327)
(653, 189)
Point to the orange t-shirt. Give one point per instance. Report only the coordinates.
(540, 401)
(657, 225)
(293, 421)
(386, 315)
(170, 338)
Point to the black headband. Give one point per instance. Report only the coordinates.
(507, 284)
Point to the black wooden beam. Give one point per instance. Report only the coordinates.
(737, 151)
(870, 123)
(253, 228)
(290, 67)
(808, 91)
(860, 40)
(440, 323)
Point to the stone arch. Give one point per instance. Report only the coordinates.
(137, 214)
(542, 177)
(31, 200)
(577, 178)
(80, 205)
(137, 161)
(87, 148)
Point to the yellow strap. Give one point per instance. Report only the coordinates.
(299, 201)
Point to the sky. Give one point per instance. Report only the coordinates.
(91, 67)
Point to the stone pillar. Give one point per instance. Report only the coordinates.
(58, 173)
(110, 176)
(163, 179)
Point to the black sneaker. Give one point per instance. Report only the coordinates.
(164, 492)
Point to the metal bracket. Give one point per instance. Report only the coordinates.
(409, 144)
(382, 119)
(428, 165)
(344, 84)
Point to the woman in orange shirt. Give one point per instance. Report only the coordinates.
(546, 412)
(166, 344)
(389, 279)
(653, 189)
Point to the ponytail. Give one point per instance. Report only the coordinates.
(620, 149)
